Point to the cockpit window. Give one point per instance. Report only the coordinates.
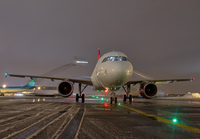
(115, 58)
(121, 58)
(105, 59)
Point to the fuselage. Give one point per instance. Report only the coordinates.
(112, 71)
(13, 89)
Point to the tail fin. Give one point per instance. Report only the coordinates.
(99, 54)
(31, 83)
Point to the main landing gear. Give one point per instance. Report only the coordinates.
(80, 95)
(113, 98)
(127, 96)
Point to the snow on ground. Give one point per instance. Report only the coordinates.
(192, 95)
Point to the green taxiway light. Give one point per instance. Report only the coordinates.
(97, 97)
(107, 100)
(119, 103)
(92, 96)
(174, 120)
(101, 98)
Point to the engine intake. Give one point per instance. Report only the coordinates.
(148, 90)
(65, 88)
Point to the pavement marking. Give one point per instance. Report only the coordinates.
(22, 130)
(196, 130)
(77, 132)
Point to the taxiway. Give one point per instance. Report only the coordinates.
(46, 117)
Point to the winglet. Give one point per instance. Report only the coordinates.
(99, 54)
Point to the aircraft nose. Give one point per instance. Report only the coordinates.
(117, 74)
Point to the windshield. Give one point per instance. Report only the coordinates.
(115, 58)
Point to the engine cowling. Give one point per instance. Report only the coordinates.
(65, 88)
(148, 90)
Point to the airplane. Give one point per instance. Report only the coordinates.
(15, 89)
(112, 71)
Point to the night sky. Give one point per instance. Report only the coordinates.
(160, 37)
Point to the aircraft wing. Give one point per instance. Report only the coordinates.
(159, 81)
(77, 79)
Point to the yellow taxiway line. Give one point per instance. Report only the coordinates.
(196, 130)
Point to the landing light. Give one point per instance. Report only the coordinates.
(106, 90)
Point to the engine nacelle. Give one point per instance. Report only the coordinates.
(65, 88)
(148, 90)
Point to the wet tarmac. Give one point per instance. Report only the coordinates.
(47, 117)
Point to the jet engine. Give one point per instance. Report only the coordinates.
(148, 90)
(65, 88)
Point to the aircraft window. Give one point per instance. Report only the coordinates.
(121, 58)
(105, 59)
(114, 58)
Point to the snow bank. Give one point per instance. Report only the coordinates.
(192, 95)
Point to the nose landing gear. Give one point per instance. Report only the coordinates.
(113, 98)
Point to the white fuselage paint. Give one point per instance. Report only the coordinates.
(111, 74)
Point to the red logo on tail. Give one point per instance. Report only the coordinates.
(99, 54)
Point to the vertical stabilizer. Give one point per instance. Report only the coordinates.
(99, 54)
(31, 83)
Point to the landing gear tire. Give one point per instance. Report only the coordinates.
(130, 98)
(77, 97)
(124, 98)
(111, 99)
(115, 100)
(83, 98)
